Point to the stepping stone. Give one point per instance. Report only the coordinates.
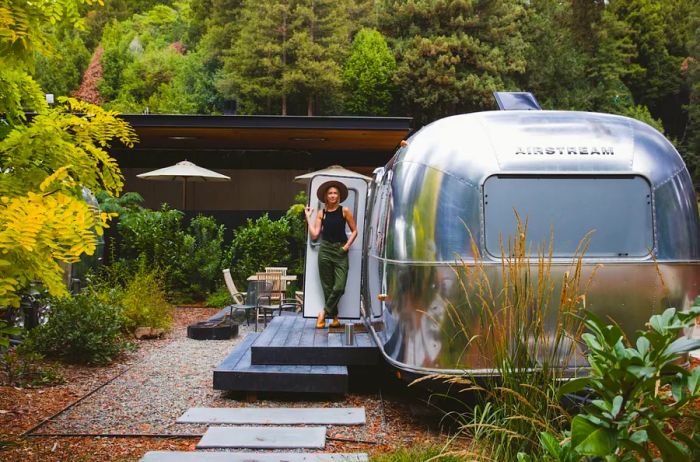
(263, 437)
(275, 416)
(175, 456)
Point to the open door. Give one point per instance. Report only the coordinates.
(349, 306)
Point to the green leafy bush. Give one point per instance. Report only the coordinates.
(636, 390)
(27, 369)
(7, 332)
(156, 236)
(81, 329)
(297, 233)
(197, 269)
(219, 299)
(190, 260)
(144, 302)
(256, 245)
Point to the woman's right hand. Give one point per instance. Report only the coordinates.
(308, 211)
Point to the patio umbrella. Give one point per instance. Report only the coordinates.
(333, 170)
(186, 172)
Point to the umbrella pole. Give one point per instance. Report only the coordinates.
(184, 194)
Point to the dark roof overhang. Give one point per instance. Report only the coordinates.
(255, 141)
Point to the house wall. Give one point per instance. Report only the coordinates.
(248, 190)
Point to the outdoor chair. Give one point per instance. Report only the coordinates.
(277, 302)
(276, 269)
(258, 293)
(238, 297)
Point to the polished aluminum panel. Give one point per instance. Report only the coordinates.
(428, 322)
(427, 207)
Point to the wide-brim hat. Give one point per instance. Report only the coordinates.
(342, 189)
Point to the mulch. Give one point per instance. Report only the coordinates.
(143, 393)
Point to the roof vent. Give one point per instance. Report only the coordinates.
(516, 101)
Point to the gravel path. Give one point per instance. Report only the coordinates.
(163, 384)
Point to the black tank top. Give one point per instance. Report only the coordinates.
(333, 226)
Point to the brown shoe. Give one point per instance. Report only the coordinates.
(336, 323)
(320, 322)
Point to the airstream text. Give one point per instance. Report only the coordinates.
(570, 151)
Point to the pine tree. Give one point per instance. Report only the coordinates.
(451, 55)
(255, 66)
(318, 46)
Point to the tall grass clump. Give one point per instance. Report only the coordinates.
(522, 324)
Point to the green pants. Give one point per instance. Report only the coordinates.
(333, 270)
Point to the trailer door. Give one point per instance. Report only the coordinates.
(349, 306)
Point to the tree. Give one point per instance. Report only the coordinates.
(60, 72)
(452, 55)
(691, 68)
(47, 162)
(658, 31)
(287, 51)
(318, 45)
(557, 78)
(255, 66)
(367, 74)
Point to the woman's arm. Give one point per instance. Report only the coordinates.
(314, 227)
(351, 224)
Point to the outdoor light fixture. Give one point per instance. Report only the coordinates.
(180, 138)
(311, 138)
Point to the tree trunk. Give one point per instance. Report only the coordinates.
(310, 106)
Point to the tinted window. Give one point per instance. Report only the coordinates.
(617, 208)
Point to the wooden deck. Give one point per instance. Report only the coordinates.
(291, 355)
(294, 340)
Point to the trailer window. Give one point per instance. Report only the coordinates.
(616, 208)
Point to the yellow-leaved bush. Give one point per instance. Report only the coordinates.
(50, 160)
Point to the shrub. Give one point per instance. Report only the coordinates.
(635, 390)
(219, 299)
(27, 369)
(297, 233)
(144, 302)
(156, 236)
(190, 260)
(198, 266)
(256, 245)
(81, 329)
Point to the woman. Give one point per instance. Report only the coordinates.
(333, 253)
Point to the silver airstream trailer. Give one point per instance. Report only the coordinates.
(456, 183)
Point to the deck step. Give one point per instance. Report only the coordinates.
(294, 340)
(276, 416)
(236, 373)
(199, 456)
(263, 438)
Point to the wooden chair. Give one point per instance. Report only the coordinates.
(277, 284)
(237, 296)
(276, 269)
